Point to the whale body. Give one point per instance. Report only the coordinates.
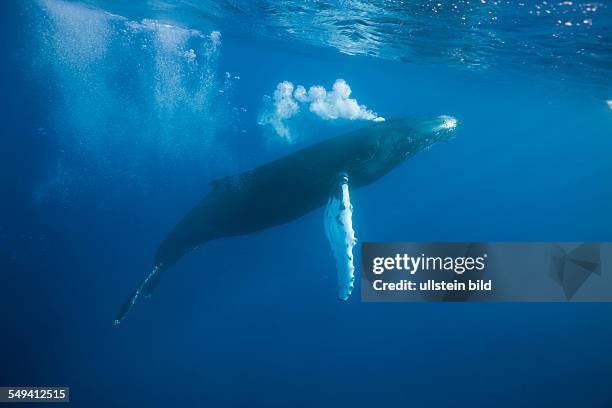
(292, 186)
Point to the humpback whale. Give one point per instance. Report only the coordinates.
(298, 183)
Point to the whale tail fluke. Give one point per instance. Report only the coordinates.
(146, 288)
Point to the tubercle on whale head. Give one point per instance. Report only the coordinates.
(447, 124)
(384, 145)
(445, 130)
(434, 129)
(408, 136)
(438, 129)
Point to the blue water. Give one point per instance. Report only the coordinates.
(117, 114)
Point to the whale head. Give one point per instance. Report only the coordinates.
(384, 145)
(403, 138)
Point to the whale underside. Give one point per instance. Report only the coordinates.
(290, 187)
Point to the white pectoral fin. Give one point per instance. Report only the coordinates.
(341, 236)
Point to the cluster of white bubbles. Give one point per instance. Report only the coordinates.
(127, 95)
(328, 105)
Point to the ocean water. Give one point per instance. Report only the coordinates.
(117, 114)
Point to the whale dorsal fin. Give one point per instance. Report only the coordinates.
(233, 181)
(218, 183)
